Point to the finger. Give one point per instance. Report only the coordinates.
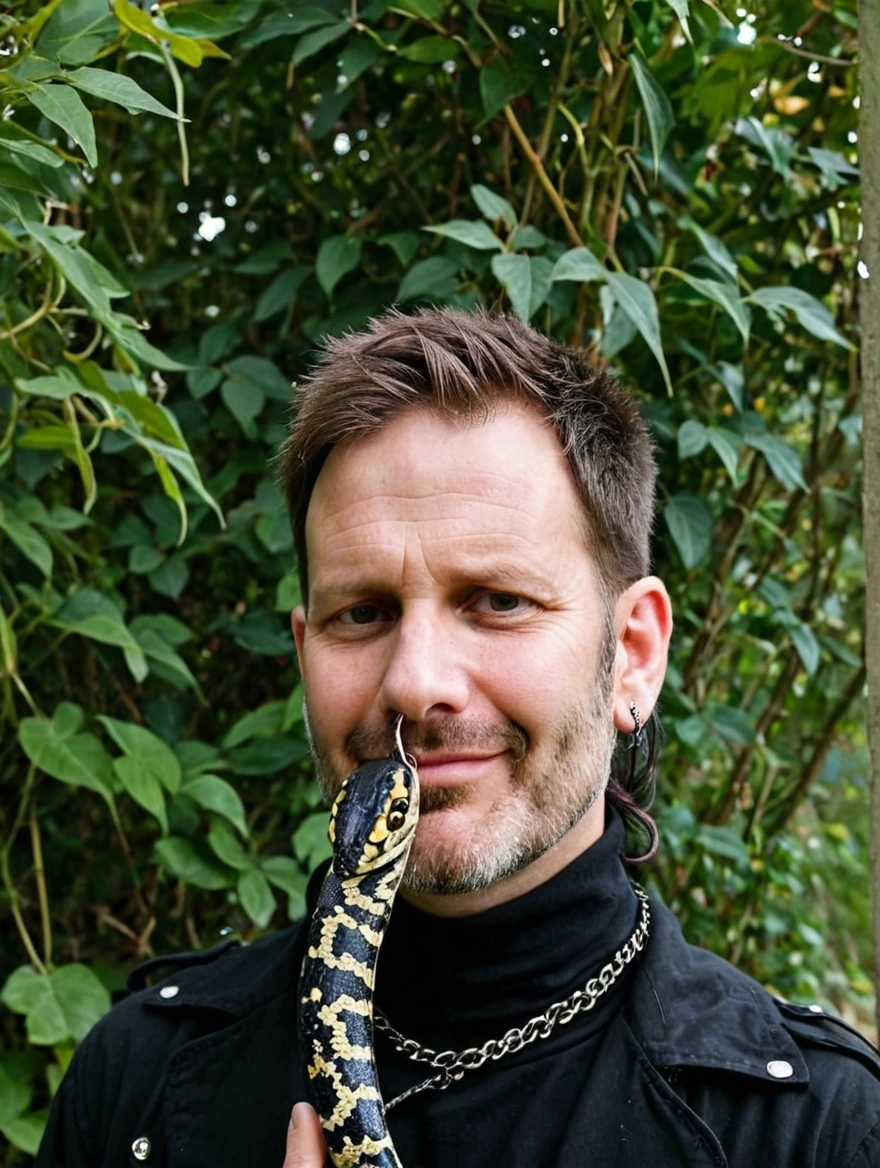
(305, 1139)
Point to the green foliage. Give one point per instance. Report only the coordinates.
(192, 195)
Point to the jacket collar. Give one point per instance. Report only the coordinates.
(689, 1008)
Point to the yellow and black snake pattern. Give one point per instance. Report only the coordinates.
(372, 826)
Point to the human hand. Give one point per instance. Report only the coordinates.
(305, 1139)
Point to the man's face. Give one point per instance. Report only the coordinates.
(450, 582)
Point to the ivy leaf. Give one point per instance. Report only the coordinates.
(63, 1004)
(657, 106)
(56, 748)
(690, 523)
(146, 749)
(143, 787)
(64, 106)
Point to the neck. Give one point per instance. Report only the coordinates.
(575, 841)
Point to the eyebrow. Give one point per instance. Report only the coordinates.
(504, 575)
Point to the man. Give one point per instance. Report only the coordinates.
(472, 507)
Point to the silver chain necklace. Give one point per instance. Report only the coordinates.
(453, 1064)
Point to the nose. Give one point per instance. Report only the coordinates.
(425, 673)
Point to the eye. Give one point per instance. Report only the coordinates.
(397, 814)
(500, 603)
(362, 614)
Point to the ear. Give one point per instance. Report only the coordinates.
(643, 619)
(298, 628)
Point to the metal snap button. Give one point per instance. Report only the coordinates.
(169, 992)
(780, 1069)
(816, 1010)
(141, 1148)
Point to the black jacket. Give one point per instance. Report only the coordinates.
(701, 1067)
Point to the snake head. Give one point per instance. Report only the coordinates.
(374, 817)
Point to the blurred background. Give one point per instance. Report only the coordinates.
(192, 195)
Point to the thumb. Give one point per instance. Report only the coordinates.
(305, 1139)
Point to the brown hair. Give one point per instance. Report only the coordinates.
(466, 365)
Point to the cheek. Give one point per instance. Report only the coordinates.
(338, 691)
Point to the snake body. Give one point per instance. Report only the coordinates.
(372, 826)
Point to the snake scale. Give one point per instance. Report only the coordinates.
(372, 826)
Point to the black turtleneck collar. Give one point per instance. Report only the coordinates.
(481, 974)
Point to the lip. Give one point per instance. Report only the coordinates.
(454, 768)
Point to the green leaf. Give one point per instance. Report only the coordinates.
(15, 142)
(65, 107)
(143, 787)
(287, 875)
(56, 748)
(77, 31)
(690, 523)
(287, 23)
(404, 244)
(264, 374)
(525, 279)
(726, 444)
(124, 91)
(336, 257)
(424, 9)
(28, 541)
(260, 723)
(59, 385)
(636, 300)
(724, 295)
(731, 723)
(779, 146)
(493, 206)
(313, 42)
(528, 237)
(657, 106)
(311, 844)
(431, 50)
(715, 248)
(433, 278)
(721, 841)
(579, 264)
(92, 615)
(681, 8)
(783, 460)
(810, 312)
(227, 846)
(256, 897)
(471, 232)
(215, 794)
(692, 438)
(244, 401)
(15, 1096)
(499, 85)
(190, 864)
(280, 295)
(63, 1004)
(25, 1132)
(147, 749)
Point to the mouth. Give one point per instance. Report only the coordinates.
(454, 767)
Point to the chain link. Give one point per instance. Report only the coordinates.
(453, 1064)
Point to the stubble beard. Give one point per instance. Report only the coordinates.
(544, 801)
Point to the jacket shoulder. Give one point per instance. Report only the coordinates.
(811, 1026)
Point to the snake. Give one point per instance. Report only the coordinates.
(371, 829)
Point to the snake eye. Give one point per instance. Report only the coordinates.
(397, 814)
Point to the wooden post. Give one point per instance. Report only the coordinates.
(869, 313)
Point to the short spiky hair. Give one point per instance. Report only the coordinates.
(467, 365)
